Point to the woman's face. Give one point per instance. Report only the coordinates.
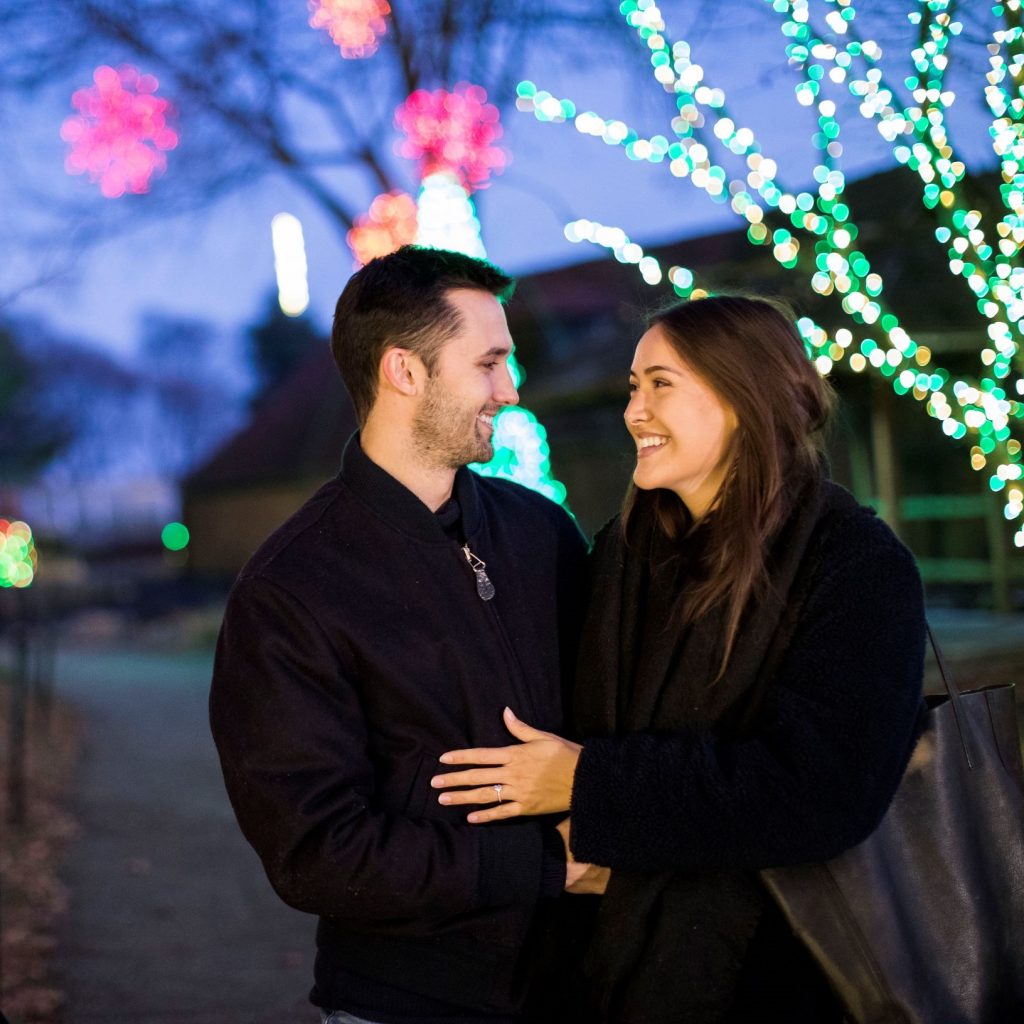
(681, 427)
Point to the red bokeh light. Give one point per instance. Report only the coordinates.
(452, 131)
(354, 25)
(120, 133)
(389, 224)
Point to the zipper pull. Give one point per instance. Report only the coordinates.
(484, 587)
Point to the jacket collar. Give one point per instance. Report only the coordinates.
(397, 505)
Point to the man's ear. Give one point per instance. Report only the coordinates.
(402, 370)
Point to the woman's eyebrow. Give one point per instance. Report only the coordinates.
(656, 369)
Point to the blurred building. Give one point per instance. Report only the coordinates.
(262, 474)
(575, 330)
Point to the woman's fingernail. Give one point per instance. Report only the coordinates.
(472, 818)
(444, 798)
(445, 759)
(437, 781)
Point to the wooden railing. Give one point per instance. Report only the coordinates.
(1004, 565)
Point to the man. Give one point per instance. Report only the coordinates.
(392, 618)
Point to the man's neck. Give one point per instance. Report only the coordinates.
(395, 454)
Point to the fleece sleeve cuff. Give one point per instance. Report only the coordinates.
(600, 800)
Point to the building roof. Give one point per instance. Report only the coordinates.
(295, 433)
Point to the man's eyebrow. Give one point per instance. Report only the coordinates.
(497, 350)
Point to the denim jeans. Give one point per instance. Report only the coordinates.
(341, 1017)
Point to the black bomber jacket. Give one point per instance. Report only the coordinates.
(355, 649)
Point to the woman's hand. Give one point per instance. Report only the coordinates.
(535, 776)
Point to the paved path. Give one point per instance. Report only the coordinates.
(966, 634)
(171, 918)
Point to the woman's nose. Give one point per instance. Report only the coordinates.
(636, 409)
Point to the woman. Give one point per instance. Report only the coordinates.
(749, 681)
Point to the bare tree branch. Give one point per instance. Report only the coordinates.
(258, 91)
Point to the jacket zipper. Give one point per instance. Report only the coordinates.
(509, 648)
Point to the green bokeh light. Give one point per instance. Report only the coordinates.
(175, 536)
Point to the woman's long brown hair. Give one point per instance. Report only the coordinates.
(750, 353)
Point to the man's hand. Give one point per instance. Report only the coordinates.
(581, 879)
(533, 777)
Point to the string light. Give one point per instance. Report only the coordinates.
(120, 134)
(175, 536)
(18, 557)
(354, 25)
(521, 453)
(389, 224)
(452, 132)
(446, 217)
(290, 264)
(820, 236)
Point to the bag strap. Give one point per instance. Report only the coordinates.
(962, 725)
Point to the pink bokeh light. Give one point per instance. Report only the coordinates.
(452, 131)
(354, 25)
(389, 224)
(120, 133)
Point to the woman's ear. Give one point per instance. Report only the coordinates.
(402, 370)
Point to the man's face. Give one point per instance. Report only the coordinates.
(470, 384)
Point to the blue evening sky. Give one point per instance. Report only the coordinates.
(218, 265)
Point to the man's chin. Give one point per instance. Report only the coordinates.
(484, 453)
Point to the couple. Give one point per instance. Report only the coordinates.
(739, 656)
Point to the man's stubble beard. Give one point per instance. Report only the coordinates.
(445, 433)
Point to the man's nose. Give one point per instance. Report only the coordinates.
(505, 390)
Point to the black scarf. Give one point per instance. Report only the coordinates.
(668, 947)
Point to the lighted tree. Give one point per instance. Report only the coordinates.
(814, 232)
(452, 134)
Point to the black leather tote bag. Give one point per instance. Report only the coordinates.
(923, 922)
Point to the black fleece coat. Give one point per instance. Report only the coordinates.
(355, 650)
(719, 779)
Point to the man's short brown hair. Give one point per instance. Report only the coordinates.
(400, 301)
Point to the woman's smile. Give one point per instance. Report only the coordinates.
(648, 444)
